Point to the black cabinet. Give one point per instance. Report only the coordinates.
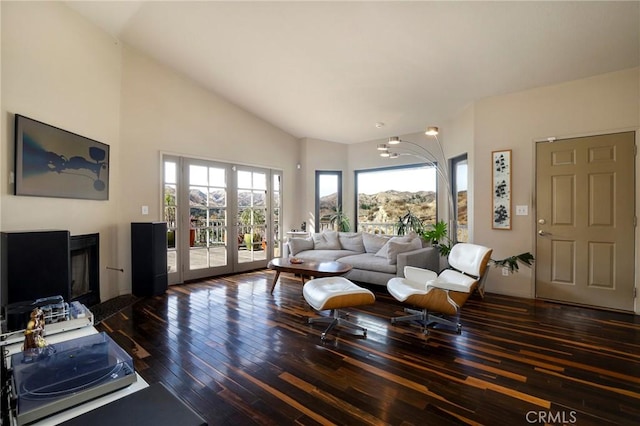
(148, 258)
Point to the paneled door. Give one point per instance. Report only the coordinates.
(585, 192)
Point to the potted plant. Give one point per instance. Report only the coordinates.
(438, 236)
(251, 217)
(511, 263)
(192, 231)
(170, 218)
(410, 222)
(340, 220)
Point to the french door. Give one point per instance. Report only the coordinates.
(222, 218)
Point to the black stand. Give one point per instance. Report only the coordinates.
(154, 405)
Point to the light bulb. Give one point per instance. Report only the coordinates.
(431, 131)
(394, 140)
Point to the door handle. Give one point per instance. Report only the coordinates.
(542, 233)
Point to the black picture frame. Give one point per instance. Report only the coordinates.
(52, 162)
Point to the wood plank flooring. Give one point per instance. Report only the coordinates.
(240, 356)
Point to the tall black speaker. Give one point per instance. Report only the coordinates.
(148, 258)
(34, 265)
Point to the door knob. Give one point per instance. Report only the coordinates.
(542, 221)
(541, 232)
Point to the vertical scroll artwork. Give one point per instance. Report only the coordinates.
(501, 180)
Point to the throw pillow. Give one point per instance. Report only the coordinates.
(395, 248)
(327, 240)
(373, 242)
(296, 245)
(351, 241)
(400, 239)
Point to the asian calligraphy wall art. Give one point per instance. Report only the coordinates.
(501, 181)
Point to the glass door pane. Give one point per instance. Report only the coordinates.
(459, 178)
(252, 216)
(276, 203)
(170, 215)
(208, 224)
(328, 198)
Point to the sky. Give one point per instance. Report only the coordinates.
(402, 179)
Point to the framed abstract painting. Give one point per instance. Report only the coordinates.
(51, 162)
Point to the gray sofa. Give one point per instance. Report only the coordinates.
(375, 258)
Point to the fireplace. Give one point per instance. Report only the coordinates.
(85, 271)
(41, 264)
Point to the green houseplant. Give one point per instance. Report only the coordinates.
(438, 236)
(409, 222)
(511, 263)
(340, 220)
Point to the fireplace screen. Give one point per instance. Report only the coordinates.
(85, 286)
(79, 273)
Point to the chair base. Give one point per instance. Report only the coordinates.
(334, 320)
(425, 319)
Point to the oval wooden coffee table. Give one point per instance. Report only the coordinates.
(306, 269)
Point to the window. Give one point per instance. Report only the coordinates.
(459, 175)
(328, 197)
(385, 195)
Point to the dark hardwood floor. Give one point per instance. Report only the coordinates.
(238, 355)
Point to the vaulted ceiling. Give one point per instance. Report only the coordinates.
(332, 70)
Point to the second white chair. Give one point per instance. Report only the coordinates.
(444, 294)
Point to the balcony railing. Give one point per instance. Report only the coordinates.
(386, 228)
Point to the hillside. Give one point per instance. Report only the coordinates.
(387, 206)
(383, 207)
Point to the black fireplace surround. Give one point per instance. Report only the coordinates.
(39, 264)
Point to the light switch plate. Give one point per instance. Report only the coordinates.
(522, 210)
(145, 210)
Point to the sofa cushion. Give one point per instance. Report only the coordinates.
(369, 262)
(296, 245)
(399, 239)
(323, 255)
(351, 241)
(374, 242)
(326, 240)
(397, 247)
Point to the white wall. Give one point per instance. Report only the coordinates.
(163, 111)
(59, 69)
(459, 132)
(67, 73)
(326, 156)
(599, 104)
